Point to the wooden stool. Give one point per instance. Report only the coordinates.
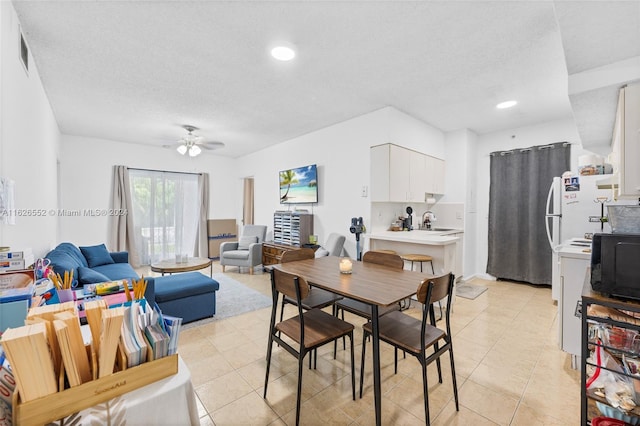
(418, 258)
(386, 251)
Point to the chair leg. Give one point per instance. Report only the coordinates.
(433, 271)
(364, 349)
(336, 309)
(266, 377)
(344, 346)
(436, 346)
(425, 389)
(453, 376)
(353, 369)
(300, 362)
(395, 360)
(223, 268)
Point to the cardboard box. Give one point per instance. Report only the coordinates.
(220, 231)
(222, 228)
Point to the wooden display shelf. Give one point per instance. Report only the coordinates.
(62, 404)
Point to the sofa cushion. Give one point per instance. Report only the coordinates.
(237, 254)
(245, 242)
(96, 255)
(62, 261)
(117, 271)
(89, 276)
(179, 286)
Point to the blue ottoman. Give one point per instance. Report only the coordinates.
(190, 296)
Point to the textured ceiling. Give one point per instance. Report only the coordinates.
(135, 71)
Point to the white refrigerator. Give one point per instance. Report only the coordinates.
(574, 207)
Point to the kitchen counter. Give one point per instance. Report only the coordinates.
(445, 247)
(438, 238)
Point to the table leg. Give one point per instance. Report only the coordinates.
(377, 394)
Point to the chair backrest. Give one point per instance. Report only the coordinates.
(259, 231)
(434, 289)
(382, 258)
(286, 283)
(293, 255)
(334, 244)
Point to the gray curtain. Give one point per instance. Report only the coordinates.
(247, 205)
(202, 239)
(121, 234)
(520, 181)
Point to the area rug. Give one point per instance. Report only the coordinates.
(233, 298)
(469, 291)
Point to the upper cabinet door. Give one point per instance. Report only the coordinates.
(435, 175)
(380, 173)
(399, 173)
(418, 177)
(630, 143)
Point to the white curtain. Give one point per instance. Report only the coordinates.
(166, 210)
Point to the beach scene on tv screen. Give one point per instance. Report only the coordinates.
(299, 185)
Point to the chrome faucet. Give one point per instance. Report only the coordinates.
(427, 218)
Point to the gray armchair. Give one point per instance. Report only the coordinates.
(247, 251)
(333, 246)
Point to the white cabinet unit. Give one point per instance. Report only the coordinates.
(574, 263)
(403, 175)
(629, 141)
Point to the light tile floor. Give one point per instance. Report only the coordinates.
(509, 367)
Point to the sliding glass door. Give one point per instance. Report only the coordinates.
(166, 207)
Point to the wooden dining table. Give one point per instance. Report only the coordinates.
(373, 284)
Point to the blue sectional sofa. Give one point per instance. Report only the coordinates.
(92, 264)
(190, 296)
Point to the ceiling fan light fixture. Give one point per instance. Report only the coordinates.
(194, 151)
(182, 149)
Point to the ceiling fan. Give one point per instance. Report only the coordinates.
(192, 144)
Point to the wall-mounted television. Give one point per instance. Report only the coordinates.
(299, 186)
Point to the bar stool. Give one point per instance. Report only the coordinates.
(385, 251)
(418, 258)
(421, 258)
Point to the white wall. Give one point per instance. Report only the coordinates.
(541, 134)
(29, 141)
(341, 152)
(86, 179)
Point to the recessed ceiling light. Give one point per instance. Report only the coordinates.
(283, 53)
(506, 104)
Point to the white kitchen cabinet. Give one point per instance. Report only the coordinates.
(434, 175)
(573, 269)
(399, 173)
(629, 141)
(417, 177)
(402, 175)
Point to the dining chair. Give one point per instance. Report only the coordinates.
(316, 298)
(415, 336)
(309, 330)
(361, 309)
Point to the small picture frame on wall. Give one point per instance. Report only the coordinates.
(24, 52)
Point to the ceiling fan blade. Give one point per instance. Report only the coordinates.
(211, 145)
